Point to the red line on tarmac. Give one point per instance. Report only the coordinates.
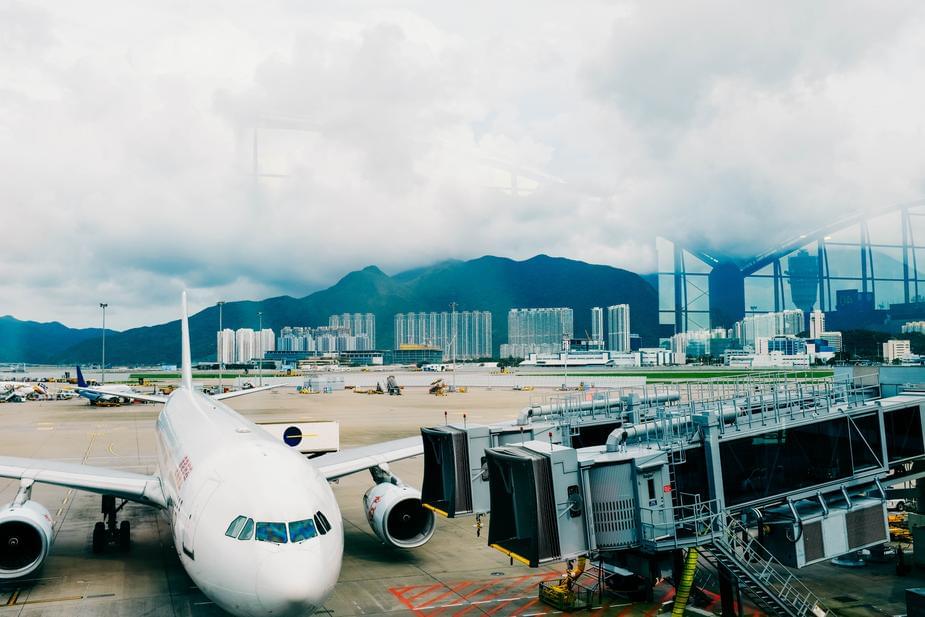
(489, 597)
(529, 604)
(430, 589)
(505, 604)
(455, 589)
(401, 598)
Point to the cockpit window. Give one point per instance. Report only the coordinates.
(271, 532)
(302, 530)
(235, 527)
(248, 531)
(321, 521)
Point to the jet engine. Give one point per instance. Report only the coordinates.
(25, 535)
(395, 513)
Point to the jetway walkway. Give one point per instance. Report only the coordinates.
(682, 467)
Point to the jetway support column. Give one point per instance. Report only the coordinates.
(727, 592)
(710, 425)
(677, 566)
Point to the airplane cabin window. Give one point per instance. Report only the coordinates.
(302, 530)
(271, 532)
(235, 527)
(248, 532)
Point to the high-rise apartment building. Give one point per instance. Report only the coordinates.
(618, 327)
(322, 339)
(467, 334)
(816, 324)
(597, 324)
(265, 341)
(768, 325)
(224, 348)
(244, 347)
(356, 324)
(537, 330)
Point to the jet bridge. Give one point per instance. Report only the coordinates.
(779, 473)
(455, 464)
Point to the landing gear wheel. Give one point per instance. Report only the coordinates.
(99, 538)
(125, 535)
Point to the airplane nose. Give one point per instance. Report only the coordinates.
(290, 584)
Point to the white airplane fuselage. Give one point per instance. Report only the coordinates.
(114, 391)
(216, 466)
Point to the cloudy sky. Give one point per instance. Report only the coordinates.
(248, 149)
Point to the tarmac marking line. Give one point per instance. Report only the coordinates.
(45, 600)
(430, 589)
(517, 581)
(544, 577)
(455, 589)
(12, 599)
(529, 604)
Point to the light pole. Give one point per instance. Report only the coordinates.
(221, 349)
(453, 307)
(565, 344)
(259, 348)
(103, 306)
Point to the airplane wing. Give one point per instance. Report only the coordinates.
(123, 484)
(234, 393)
(336, 465)
(148, 398)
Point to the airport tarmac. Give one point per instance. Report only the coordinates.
(455, 574)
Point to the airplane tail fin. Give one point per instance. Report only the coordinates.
(187, 365)
(81, 382)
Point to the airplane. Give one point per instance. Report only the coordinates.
(18, 391)
(106, 393)
(254, 523)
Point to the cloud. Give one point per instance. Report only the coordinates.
(130, 137)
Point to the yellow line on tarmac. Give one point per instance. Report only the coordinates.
(13, 597)
(62, 599)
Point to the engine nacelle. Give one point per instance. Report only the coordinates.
(25, 538)
(396, 515)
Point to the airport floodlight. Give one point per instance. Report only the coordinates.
(221, 349)
(103, 306)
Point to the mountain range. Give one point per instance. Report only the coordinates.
(488, 283)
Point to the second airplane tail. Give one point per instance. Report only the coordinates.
(81, 382)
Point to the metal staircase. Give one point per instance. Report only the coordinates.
(770, 585)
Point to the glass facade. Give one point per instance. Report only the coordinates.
(860, 272)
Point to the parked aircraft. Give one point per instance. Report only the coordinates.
(254, 522)
(18, 391)
(103, 392)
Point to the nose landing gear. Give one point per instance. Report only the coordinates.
(111, 531)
